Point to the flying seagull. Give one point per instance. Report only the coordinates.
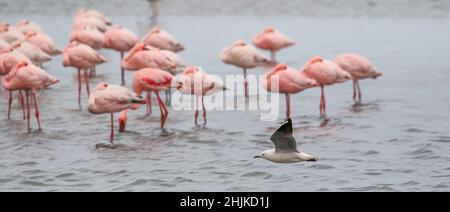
(285, 147)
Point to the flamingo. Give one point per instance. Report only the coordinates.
(161, 39)
(25, 26)
(121, 40)
(44, 42)
(34, 53)
(272, 40)
(8, 60)
(88, 35)
(144, 56)
(111, 99)
(290, 81)
(81, 57)
(195, 82)
(10, 34)
(92, 14)
(360, 68)
(325, 72)
(28, 77)
(244, 56)
(150, 80)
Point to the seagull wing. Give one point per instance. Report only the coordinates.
(283, 139)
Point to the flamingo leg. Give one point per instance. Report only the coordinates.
(112, 129)
(272, 57)
(245, 83)
(22, 103)
(28, 110)
(162, 107)
(36, 108)
(204, 111)
(354, 90)
(359, 91)
(122, 69)
(288, 106)
(196, 112)
(9, 104)
(86, 78)
(79, 87)
(322, 102)
(149, 103)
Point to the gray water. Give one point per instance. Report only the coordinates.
(397, 141)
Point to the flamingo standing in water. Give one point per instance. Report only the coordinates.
(195, 82)
(289, 81)
(325, 72)
(244, 56)
(111, 99)
(144, 56)
(9, 57)
(272, 40)
(81, 57)
(161, 39)
(360, 68)
(150, 80)
(121, 40)
(28, 77)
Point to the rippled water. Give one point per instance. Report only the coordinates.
(397, 141)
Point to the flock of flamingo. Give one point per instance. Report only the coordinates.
(24, 48)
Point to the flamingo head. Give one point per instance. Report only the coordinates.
(315, 59)
(101, 86)
(21, 64)
(31, 34)
(269, 30)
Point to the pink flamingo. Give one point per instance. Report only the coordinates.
(92, 14)
(150, 80)
(25, 26)
(10, 34)
(325, 72)
(8, 60)
(81, 57)
(28, 77)
(121, 40)
(44, 42)
(244, 56)
(195, 82)
(272, 40)
(144, 56)
(111, 99)
(89, 36)
(36, 55)
(289, 81)
(360, 68)
(161, 39)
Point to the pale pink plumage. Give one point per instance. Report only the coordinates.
(25, 26)
(141, 56)
(161, 39)
(10, 34)
(287, 81)
(28, 77)
(194, 81)
(89, 36)
(121, 40)
(272, 40)
(359, 67)
(44, 42)
(244, 56)
(150, 80)
(325, 72)
(81, 57)
(111, 99)
(34, 53)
